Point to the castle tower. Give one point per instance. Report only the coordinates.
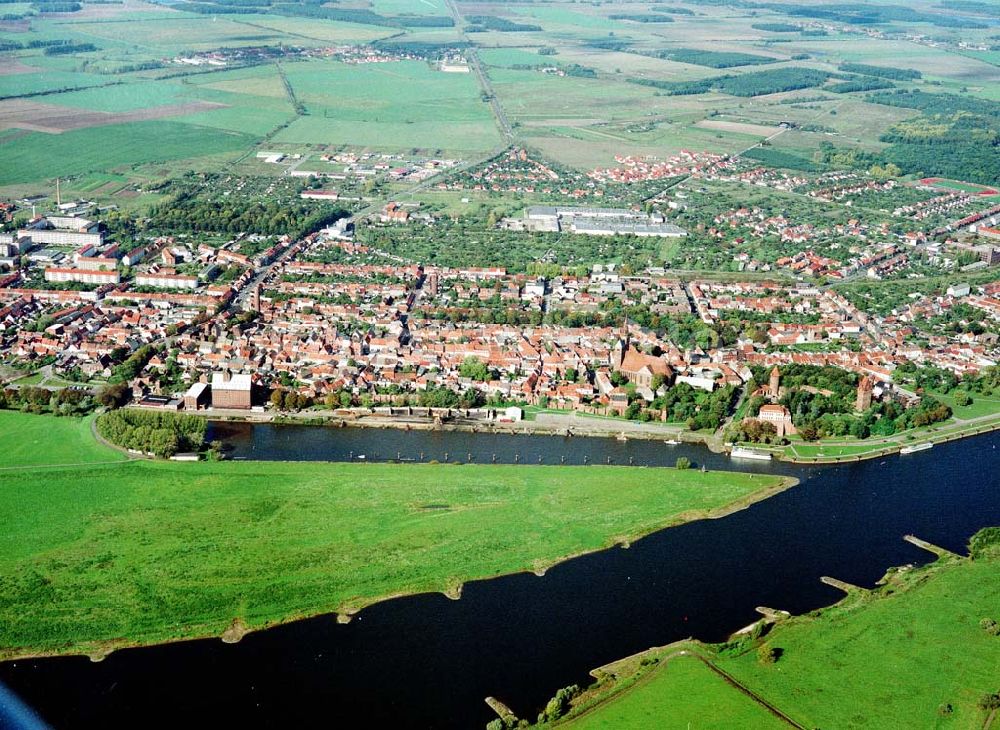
(775, 384)
(864, 400)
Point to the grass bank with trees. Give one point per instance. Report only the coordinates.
(98, 557)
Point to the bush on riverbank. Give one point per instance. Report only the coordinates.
(985, 543)
(153, 432)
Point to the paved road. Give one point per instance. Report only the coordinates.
(583, 423)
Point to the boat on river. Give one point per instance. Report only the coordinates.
(741, 452)
(916, 447)
(671, 442)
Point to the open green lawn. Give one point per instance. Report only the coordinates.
(980, 406)
(142, 552)
(39, 440)
(830, 450)
(681, 693)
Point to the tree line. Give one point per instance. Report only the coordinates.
(757, 83)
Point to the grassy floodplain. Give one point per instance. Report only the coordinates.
(140, 552)
(30, 441)
(687, 691)
(911, 653)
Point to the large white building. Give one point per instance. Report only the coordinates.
(167, 281)
(63, 231)
(596, 221)
(82, 276)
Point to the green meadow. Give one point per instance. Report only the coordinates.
(41, 440)
(389, 106)
(900, 659)
(682, 692)
(140, 552)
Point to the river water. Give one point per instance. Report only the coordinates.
(427, 661)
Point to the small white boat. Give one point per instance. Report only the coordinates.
(622, 436)
(916, 447)
(671, 442)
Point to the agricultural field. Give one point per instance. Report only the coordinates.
(111, 147)
(267, 542)
(389, 106)
(631, 79)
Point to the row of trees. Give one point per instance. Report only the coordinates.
(132, 365)
(757, 83)
(161, 433)
(64, 402)
(885, 72)
(715, 59)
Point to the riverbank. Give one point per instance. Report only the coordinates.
(133, 553)
(827, 452)
(917, 650)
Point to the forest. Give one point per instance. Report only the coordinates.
(642, 17)
(757, 83)
(715, 59)
(885, 72)
(483, 23)
(859, 84)
(187, 212)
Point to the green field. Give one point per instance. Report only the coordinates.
(33, 83)
(962, 187)
(142, 552)
(891, 662)
(911, 654)
(830, 450)
(37, 156)
(40, 440)
(581, 122)
(980, 406)
(390, 106)
(682, 692)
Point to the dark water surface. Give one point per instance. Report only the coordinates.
(426, 661)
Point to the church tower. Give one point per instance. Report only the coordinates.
(620, 348)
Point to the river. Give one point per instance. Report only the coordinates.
(427, 661)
